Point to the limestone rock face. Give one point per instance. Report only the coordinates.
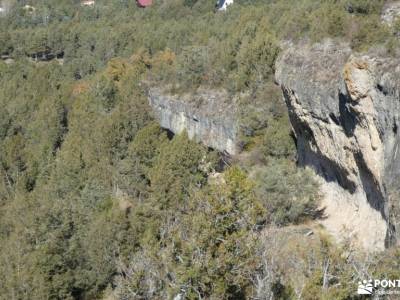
(344, 109)
(208, 116)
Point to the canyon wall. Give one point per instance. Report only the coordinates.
(344, 109)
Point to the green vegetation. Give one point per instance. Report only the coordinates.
(96, 199)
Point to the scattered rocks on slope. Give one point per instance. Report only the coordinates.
(390, 12)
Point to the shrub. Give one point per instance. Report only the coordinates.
(290, 195)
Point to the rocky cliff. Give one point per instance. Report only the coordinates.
(344, 109)
(208, 116)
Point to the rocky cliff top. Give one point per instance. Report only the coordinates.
(314, 72)
(205, 102)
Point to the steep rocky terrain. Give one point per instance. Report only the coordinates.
(97, 201)
(344, 109)
(207, 116)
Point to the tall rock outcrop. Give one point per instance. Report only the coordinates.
(345, 109)
(208, 116)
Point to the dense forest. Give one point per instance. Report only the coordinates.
(98, 202)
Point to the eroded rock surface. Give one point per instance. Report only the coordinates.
(390, 12)
(344, 109)
(208, 116)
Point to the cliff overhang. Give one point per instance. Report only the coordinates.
(208, 116)
(344, 110)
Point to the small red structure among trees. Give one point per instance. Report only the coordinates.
(144, 3)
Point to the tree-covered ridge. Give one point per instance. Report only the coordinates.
(90, 184)
(235, 49)
(97, 201)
